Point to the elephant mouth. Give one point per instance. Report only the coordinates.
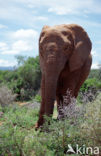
(51, 59)
(51, 56)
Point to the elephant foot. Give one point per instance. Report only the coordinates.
(39, 124)
(61, 114)
(36, 126)
(60, 117)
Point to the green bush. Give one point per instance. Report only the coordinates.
(90, 83)
(30, 76)
(25, 79)
(37, 98)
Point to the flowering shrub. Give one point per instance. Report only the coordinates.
(91, 127)
(6, 96)
(69, 109)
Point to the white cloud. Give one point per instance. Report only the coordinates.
(11, 52)
(3, 46)
(43, 18)
(95, 66)
(24, 34)
(94, 53)
(6, 63)
(27, 11)
(22, 40)
(62, 10)
(62, 7)
(17, 12)
(21, 45)
(75, 7)
(10, 10)
(5, 49)
(2, 26)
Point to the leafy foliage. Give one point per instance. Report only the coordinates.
(91, 83)
(37, 98)
(24, 80)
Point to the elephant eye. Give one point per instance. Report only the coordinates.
(43, 33)
(41, 51)
(66, 47)
(64, 33)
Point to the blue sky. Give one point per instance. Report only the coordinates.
(21, 22)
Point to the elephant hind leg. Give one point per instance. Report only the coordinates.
(84, 74)
(63, 101)
(59, 99)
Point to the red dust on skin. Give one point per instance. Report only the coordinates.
(65, 61)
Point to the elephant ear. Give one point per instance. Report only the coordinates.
(79, 56)
(43, 31)
(45, 27)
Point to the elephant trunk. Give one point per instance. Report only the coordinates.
(50, 92)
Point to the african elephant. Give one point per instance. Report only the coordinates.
(65, 60)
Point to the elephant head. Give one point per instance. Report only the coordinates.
(55, 46)
(58, 46)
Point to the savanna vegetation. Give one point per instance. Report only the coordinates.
(82, 124)
(24, 80)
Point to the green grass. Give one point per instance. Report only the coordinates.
(19, 138)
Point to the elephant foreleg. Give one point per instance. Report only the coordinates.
(42, 107)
